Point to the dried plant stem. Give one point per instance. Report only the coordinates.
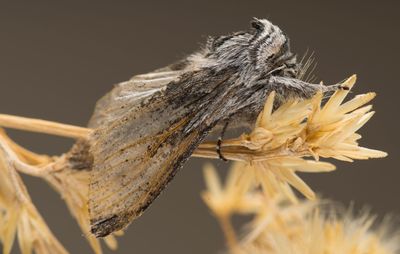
(11, 162)
(243, 154)
(24, 154)
(7, 151)
(232, 149)
(229, 232)
(43, 126)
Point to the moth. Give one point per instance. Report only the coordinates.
(147, 127)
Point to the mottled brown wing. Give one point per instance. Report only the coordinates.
(137, 153)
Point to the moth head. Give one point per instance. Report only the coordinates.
(269, 50)
(265, 47)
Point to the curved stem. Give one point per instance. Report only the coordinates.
(43, 126)
(12, 158)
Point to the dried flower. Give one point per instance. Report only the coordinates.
(18, 215)
(270, 156)
(274, 150)
(281, 226)
(312, 231)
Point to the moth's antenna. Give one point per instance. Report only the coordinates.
(307, 66)
(310, 71)
(303, 57)
(302, 65)
(312, 79)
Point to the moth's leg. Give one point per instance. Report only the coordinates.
(219, 142)
(291, 87)
(333, 88)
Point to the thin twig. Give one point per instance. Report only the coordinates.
(43, 126)
(229, 232)
(29, 218)
(243, 154)
(233, 149)
(8, 153)
(24, 154)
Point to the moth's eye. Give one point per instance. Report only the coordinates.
(257, 24)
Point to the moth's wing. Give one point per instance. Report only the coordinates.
(135, 90)
(132, 92)
(136, 155)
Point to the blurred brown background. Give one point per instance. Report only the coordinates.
(57, 59)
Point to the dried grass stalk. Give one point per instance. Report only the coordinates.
(18, 215)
